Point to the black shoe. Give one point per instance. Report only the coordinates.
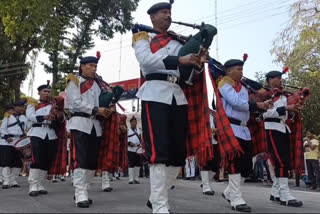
(118, 178)
(33, 193)
(149, 204)
(90, 201)
(15, 186)
(292, 203)
(131, 182)
(201, 185)
(5, 187)
(43, 192)
(172, 187)
(147, 176)
(136, 182)
(209, 193)
(54, 181)
(225, 198)
(272, 198)
(242, 208)
(109, 189)
(83, 204)
(62, 179)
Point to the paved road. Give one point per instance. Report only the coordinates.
(185, 198)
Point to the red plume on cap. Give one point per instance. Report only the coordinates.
(245, 57)
(98, 54)
(48, 82)
(285, 70)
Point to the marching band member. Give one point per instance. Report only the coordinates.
(13, 128)
(278, 138)
(235, 100)
(43, 139)
(134, 142)
(164, 105)
(83, 101)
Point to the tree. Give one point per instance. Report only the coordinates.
(86, 18)
(298, 47)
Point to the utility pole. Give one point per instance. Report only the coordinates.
(216, 23)
(120, 55)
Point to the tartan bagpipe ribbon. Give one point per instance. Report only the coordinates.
(295, 125)
(58, 165)
(199, 134)
(113, 147)
(229, 146)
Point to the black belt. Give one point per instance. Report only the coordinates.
(82, 114)
(237, 122)
(164, 77)
(42, 125)
(276, 120)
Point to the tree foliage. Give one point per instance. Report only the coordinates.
(298, 47)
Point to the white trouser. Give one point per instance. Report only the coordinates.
(190, 167)
(42, 176)
(131, 174)
(285, 194)
(205, 181)
(234, 193)
(6, 173)
(105, 180)
(81, 185)
(159, 191)
(33, 179)
(14, 175)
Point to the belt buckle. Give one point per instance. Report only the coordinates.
(283, 121)
(172, 78)
(243, 123)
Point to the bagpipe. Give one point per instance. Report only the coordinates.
(197, 44)
(109, 95)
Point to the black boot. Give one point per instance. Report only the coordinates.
(242, 208)
(272, 198)
(209, 193)
(83, 204)
(33, 193)
(5, 187)
(292, 203)
(43, 192)
(149, 204)
(15, 186)
(109, 189)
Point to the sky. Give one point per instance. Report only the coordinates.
(243, 27)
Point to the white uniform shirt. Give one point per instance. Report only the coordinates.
(13, 130)
(133, 138)
(157, 90)
(84, 103)
(236, 105)
(40, 132)
(279, 113)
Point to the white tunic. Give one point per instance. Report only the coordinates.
(40, 132)
(84, 103)
(133, 138)
(13, 130)
(277, 112)
(236, 105)
(157, 90)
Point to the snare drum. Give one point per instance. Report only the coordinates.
(23, 145)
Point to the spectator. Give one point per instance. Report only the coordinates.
(311, 146)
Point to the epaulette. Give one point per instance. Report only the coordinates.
(73, 78)
(142, 35)
(225, 80)
(7, 115)
(32, 102)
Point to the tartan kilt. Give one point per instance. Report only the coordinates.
(59, 163)
(199, 134)
(109, 153)
(258, 135)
